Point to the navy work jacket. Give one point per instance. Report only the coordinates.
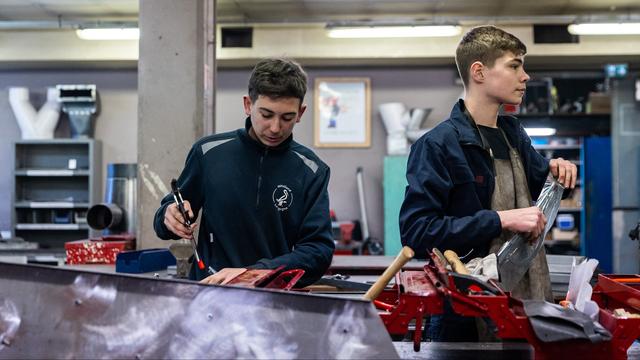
(451, 180)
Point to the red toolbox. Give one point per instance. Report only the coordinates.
(102, 250)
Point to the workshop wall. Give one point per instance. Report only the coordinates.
(116, 125)
(415, 87)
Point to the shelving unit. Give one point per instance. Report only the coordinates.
(571, 103)
(55, 182)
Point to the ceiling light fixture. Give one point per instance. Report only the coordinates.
(605, 29)
(394, 31)
(109, 34)
(540, 131)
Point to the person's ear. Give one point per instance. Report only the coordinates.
(477, 72)
(303, 107)
(246, 101)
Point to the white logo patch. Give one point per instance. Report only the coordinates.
(282, 197)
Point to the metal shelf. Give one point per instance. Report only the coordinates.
(51, 172)
(51, 205)
(566, 209)
(52, 227)
(55, 181)
(554, 242)
(557, 147)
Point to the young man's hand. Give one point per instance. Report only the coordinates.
(223, 276)
(174, 221)
(530, 221)
(564, 171)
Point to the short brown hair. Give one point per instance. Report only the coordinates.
(277, 78)
(485, 44)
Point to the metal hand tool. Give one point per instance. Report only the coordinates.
(177, 196)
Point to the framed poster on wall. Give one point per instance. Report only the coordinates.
(342, 115)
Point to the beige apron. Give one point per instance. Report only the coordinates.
(512, 192)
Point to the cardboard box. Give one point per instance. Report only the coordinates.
(600, 103)
(101, 250)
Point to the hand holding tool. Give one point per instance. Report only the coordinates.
(177, 196)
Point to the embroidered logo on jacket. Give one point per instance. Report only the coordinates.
(282, 197)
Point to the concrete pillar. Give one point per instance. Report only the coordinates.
(175, 97)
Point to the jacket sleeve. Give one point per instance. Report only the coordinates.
(536, 166)
(190, 184)
(314, 249)
(424, 223)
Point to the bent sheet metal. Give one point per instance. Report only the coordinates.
(516, 255)
(81, 314)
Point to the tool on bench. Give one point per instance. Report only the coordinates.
(455, 262)
(187, 222)
(340, 282)
(406, 254)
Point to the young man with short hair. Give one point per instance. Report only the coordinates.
(263, 196)
(473, 177)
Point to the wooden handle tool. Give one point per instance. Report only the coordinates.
(406, 254)
(455, 262)
(443, 260)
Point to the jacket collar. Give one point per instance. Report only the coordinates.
(246, 138)
(468, 132)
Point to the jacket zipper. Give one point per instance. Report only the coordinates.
(266, 151)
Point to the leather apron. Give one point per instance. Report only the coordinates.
(512, 192)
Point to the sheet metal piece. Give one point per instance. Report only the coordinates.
(91, 315)
(516, 255)
(552, 322)
(344, 284)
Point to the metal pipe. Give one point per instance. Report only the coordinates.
(363, 207)
(105, 216)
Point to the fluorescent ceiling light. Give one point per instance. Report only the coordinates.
(109, 34)
(540, 131)
(394, 31)
(605, 29)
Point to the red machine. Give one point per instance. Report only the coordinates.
(418, 293)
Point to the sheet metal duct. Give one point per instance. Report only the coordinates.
(48, 312)
(117, 214)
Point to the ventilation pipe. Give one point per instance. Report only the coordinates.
(403, 126)
(35, 125)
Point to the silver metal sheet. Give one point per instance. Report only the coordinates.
(47, 312)
(517, 254)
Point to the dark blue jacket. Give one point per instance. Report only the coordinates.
(261, 207)
(451, 181)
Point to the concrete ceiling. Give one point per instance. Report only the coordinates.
(52, 10)
(276, 11)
